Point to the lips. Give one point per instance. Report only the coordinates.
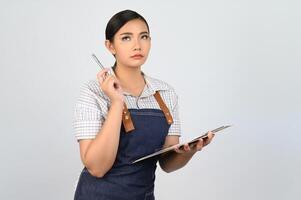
(137, 56)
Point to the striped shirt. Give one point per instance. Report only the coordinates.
(92, 105)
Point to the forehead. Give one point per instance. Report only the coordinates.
(133, 26)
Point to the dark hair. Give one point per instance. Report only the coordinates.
(120, 19)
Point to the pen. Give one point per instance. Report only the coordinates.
(101, 67)
(97, 61)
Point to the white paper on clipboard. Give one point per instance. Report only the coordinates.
(171, 148)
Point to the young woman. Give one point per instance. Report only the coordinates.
(124, 115)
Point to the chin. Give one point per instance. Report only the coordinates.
(136, 64)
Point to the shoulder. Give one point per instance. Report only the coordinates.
(91, 96)
(166, 90)
(160, 85)
(91, 87)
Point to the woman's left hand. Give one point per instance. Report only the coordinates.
(191, 149)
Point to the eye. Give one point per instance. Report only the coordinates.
(125, 38)
(145, 37)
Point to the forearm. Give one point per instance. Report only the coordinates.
(102, 151)
(173, 161)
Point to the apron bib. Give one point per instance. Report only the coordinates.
(127, 181)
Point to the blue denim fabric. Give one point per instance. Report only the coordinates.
(127, 181)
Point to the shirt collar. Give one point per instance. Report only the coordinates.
(152, 85)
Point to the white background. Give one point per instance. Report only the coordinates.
(231, 62)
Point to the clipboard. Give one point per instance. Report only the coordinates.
(171, 148)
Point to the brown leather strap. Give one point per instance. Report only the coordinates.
(126, 115)
(127, 120)
(163, 108)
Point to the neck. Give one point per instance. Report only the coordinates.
(130, 78)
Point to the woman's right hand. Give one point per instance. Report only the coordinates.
(110, 86)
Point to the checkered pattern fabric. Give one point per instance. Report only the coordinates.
(92, 106)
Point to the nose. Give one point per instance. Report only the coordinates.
(137, 46)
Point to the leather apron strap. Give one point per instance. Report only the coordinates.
(127, 120)
(164, 108)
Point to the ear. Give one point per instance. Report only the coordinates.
(110, 46)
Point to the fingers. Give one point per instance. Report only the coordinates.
(186, 148)
(200, 145)
(178, 150)
(209, 138)
(111, 81)
(104, 78)
(101, 76)
(183, 149)
(197, 146)
(211, 135)
(110, 85)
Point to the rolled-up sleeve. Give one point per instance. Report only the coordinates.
(88, 113)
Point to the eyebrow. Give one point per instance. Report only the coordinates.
(129, 33)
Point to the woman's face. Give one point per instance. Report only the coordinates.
(130, 40)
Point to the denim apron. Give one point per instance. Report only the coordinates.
(127, 181)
